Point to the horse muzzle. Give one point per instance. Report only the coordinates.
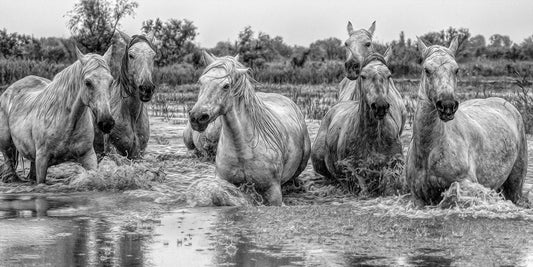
(199, 120)
(446, 109)
(380, 109)
(106, 124)
(351, 68)
(146, 91)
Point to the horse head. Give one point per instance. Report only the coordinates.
(358, 46)
(439, 78)
(375, 82)
(218, 85)
(95, 83)
(138, 64)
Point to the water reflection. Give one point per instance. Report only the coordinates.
(65, 231)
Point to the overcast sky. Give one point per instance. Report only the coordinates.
(297, 21)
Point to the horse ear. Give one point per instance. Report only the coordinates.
(107, 55)
(388, 54)
(150, 36)
(80, 56)
(208, 58)
(349, 28)
(421, 45)
(454, 45)
(124, 36)
(237, 57)
(372, 28)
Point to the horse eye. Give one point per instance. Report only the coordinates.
(225, 87)
(363, 77)
(346, 44)
(367, 44)
(131, 56)
(427, 71)
(88, 83)
(456, 71)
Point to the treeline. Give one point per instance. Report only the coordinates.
(94, 23)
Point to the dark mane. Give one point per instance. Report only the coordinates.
(123, 80)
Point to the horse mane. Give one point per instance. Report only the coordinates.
(124, 81)
(262, 118)
(63, 90)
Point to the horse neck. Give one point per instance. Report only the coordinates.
(61, 99)
(126, 98)
(427, 126)
(125, 95)
(237, 128)
(242, 123)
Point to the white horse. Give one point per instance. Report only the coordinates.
(358, 47)
(48, 122)
(264, 138)
(480, 140)
(373, 124)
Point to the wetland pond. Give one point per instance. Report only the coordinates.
(48, 225)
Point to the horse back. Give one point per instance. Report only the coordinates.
(21, 89)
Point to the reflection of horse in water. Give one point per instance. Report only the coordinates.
(129, 93)
(48, 122)
(264, 139)
(362, 128)
(479, 141)
(299, 61)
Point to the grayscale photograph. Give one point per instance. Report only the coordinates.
(266, 133)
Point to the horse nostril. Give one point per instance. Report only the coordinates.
(203, 118)
(373, 106)
(456, 105)
(387, 105)
(439, 105)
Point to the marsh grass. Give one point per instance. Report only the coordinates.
(375, 175)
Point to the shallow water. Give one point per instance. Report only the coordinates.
(80, 230)
(49, 225)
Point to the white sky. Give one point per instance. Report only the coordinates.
(297, 21)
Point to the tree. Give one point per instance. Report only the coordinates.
(174, 39)
(330, 49)
(94, 22)
(500, 41)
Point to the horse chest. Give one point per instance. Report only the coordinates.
(448, 163)
(257, 168)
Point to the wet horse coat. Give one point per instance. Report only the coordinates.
(129, 92)
(480, 140)
(352, 128)
(264, 139)
(49, 122)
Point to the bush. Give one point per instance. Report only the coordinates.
(12, 70)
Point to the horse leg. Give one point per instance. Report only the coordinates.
(512, 187)
(41, 166)
(9, 174)
(88, 161)
(32, 174)
(318, 153)
(273, 194)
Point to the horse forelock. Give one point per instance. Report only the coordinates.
(361, 32)
(437, 49)
(263, 119)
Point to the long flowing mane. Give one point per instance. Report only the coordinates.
(124, 81)
(263, 119)
(61, 93)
